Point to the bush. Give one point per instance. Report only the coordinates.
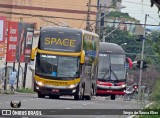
(25, 90)
(155, 96)
(154, 107)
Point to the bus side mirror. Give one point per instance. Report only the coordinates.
(129, 63)
(82, 57)
(34, 50)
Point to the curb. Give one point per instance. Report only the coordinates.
(12, 93)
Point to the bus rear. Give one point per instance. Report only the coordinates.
(111, 79)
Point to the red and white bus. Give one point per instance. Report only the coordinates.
(112, 68)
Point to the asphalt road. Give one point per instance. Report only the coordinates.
(107, 106)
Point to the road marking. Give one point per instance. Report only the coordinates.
(79, 106)
(31, 99)
(24, 100)
(85, 104)
(23, 107)
(67, 108)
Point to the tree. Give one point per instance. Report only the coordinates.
(149, 78)
(156, 2)
(120, 37)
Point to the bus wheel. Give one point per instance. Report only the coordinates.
(76, 97)
(40, 95)
(88, 97)
(54, 96)
(80, 94)
(113, 97)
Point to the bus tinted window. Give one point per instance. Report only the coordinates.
(57, 66)
(104, 66)
(117, 66)
(60, 41)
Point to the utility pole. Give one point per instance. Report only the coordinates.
(141, 64)
(88, 16)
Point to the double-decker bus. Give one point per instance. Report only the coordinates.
(112, 77)
(66, 63)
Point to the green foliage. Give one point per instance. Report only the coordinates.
(155, 96)
(154, 107)
(7, 92)
(119, 15)
(152, 47)
(27, 90)
(120, 37)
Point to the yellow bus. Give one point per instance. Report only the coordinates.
(66, 63)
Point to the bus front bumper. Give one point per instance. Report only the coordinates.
(47, 90)
(110, 92)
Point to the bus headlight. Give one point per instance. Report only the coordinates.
(72, 86)
(39, 83)
(123, 85)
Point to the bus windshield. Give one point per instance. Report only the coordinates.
(117, 67)
(57, 66)
(104, 66)
(111, 67)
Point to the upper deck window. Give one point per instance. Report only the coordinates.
(61, 41)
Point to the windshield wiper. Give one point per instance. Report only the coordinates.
(71, 77)
(105, 74)
(114, 75)
(68, 76)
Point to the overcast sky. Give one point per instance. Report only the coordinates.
(137, 9)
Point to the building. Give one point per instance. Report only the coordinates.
(71, 13)
(104, 7)
(121, 22)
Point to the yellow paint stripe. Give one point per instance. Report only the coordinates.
(59, 53)
(57, 82)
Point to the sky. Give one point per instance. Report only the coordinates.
(137, 9)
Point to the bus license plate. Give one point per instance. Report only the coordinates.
(109, 90)
(55, 90)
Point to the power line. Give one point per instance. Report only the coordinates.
(48, 21)
(57, 2)
(136, 3)
(153, 18)
(130, 23)
(34, 15)
(144, 55)
(81, 23)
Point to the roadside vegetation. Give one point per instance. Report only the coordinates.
(25, 90)
(155, 98)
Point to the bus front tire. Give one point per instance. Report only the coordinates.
(77, 97)
(80, 95)
(113, 97)
(40, 95)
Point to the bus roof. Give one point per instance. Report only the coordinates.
(68, 29)
(106, 47)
